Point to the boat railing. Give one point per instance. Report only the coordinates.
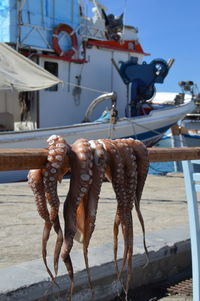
(91, 30)
(192, 179)
(112, 96)
(25, 159)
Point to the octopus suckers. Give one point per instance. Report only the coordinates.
(85, 177)
(60, 145)
(50, 158)
(52, 137)
(83, 189)
(51, 151)
(92, 144)
(59, 158)
(60, 150)
(53, 170)
(56, 165)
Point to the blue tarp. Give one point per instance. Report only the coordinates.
(44, 15)
(105, 117)
(4, 20)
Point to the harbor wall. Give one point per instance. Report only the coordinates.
(167, 259)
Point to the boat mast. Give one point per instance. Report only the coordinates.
(18, 25)
(98, 6)
(20, 5)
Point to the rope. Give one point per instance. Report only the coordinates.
(86, 88)
(146, 128)
(124, 17)
(129, 120)
(111, 128)
(132, 124)
(142, 126)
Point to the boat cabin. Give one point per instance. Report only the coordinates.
(91, 55)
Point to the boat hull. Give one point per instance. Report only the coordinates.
(148, 128)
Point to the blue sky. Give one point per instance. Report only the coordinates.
(167, 29)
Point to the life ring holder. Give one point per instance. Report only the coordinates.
(55, 41)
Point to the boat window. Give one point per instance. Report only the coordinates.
(52, 68)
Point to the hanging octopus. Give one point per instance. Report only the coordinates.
(123, 175)
(43, 183)
(87, 172)
(87, 210)
(127, 167)
(141, 154)
(125, 164)
(81, 163)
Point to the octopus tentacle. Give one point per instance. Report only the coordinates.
(116, 173)
(54, 172)
(35, 180)
(44, 186)
(92, 197)
(115, 243)
(130, 254)
(130, 184)
(58, 245)
(69, 266)
(122, 164)
(141, 153)
(81, 163)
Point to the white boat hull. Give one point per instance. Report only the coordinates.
(191, 132)
(148, 128)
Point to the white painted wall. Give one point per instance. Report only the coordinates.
(66, 106)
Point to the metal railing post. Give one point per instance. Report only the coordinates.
(190, 177)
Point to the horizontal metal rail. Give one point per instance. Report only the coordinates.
(24, 159)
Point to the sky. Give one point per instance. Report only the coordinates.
(167, 29)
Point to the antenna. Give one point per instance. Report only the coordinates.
(98, 4)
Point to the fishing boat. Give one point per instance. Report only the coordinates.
(187, 131)
(65, 73)
(190, 125)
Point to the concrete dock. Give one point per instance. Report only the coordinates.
(23, 275)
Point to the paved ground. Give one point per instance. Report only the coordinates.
(163, 205)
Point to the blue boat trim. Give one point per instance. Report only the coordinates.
(150, 134)
(192, 136)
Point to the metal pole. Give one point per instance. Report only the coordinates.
(194, 224)
(18, 43)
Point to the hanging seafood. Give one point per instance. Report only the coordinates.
(124, 162)
(43, 183)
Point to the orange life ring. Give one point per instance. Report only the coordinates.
(66, 28)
